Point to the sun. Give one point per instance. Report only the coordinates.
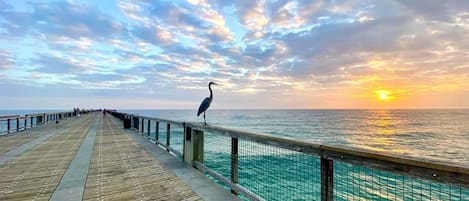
(383, 95)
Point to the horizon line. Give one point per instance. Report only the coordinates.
(407, 108)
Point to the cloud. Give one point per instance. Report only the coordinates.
(154, 35)
(5, 60)
(437, 10)
(66, 18)
(54, 65)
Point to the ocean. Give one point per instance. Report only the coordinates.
(278, 174)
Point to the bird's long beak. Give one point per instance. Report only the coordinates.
(215, 83)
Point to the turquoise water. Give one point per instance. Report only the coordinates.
(278, 174)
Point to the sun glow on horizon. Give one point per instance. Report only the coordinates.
(383, 95)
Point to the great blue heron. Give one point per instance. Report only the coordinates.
(206, 102)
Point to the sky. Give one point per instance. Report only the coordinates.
(146, 54)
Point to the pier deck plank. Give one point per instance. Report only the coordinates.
(120, 168)
(34, 174)
(13, 140)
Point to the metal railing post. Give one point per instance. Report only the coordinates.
(148, 128)
(25, 122)
(31, 122)
(135, 120)
(136, 125)
(168, 136)
(143, 122)
(17, 124)
(183, 139)
(157, 131)
(234, 162)
(8, 125)
(327, 179)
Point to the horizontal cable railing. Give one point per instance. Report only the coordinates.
(265, 167)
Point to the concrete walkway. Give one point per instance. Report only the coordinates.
(72, 185)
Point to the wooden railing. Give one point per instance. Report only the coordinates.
(436, 172)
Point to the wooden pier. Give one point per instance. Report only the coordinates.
(84, 158)
(121, 156)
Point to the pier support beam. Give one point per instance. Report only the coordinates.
(193, 146)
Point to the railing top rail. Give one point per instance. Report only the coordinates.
(9, 116)
(5, 117)
(48, 113)
(408, 160)
(180, 123)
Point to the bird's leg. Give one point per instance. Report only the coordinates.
(204, 119)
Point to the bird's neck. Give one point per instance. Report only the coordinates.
(211, 93)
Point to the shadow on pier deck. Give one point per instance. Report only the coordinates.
(92, 158)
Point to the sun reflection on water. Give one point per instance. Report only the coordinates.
(379, 132)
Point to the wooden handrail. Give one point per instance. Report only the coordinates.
(9, 116)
